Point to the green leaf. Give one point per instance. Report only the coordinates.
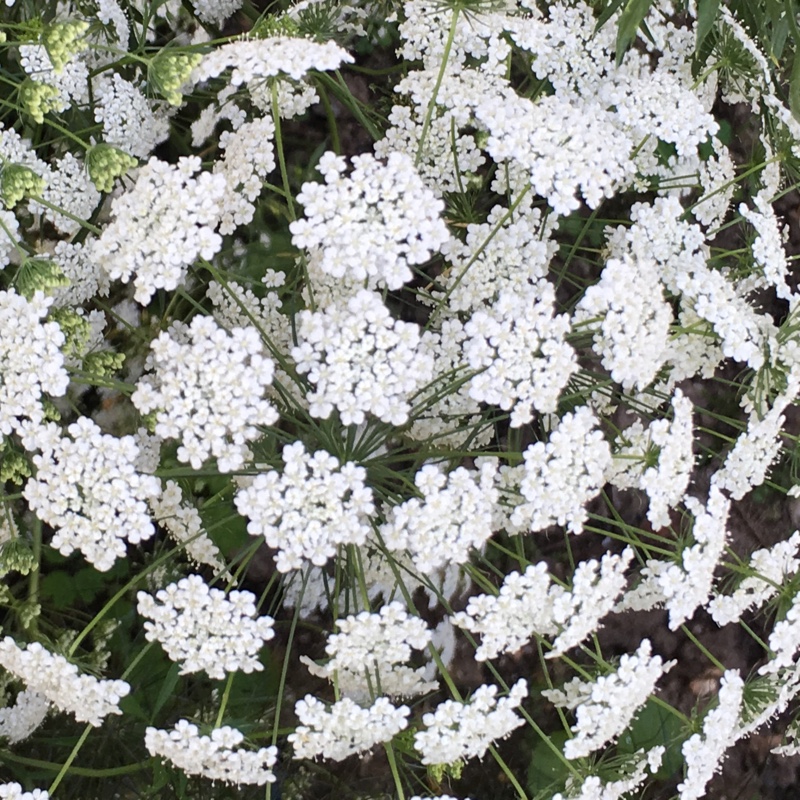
(607, 13)
(654, 726)
(706, 15)
(794, 88)
(167, 690)
(59, 587)
(631, 18)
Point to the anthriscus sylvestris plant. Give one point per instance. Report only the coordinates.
(399, 400)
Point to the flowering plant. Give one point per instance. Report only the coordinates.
(396, 398)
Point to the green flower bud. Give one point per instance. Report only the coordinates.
(103, 364)
(39, 275)
(16, 556)
(63, 40)
(76, 330)
(168, 72)
(14, 467)
(106, 163)
(37, 99)
(17, 182)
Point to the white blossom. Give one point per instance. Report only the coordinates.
(309, 509)
(371, 651)
(87, 487)
(161, 226)
(19, 721)
(460, 731)
(52, 676)
(360, 360)
(453, 516)
(604, 707)
(204, 629)
(367, 228)
(216, 756)
(518, 345)
(31, 363)
(344, 728)
(208, 391)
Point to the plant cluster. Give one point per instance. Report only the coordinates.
(382, 390)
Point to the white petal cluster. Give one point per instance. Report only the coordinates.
(215, 12)
(371, 650)
(518, 345)
(768, 568)
(361, 360)
(561, 475)
(606, 705)
(632, 336)
(249, 158)
(391, 222)
(130, 121)
(747, 464)
(460, 731)
(784, 641)
(453, 516)
(31, 363)
(703, 753)
(208, 391)
(666, 442)
(13, 791)
(87, 487)
(507, 251)
(344, 728)
(204, 629)
(70, 189)
(184, 524)
(162, 225)
(686, 586)
(19, 721)
(86, 698)
(216, 756)
(309, 509)
(593, 160)
(531, 605)
(254, 59)
(86, 278)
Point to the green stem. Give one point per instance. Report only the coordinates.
(68, 763)
(451, 35)
(703, 649)
(281, 155)
(83, 772)
(508, 773)
(224, 702)
(393, 767)
(58, 210)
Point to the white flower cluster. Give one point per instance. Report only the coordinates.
(703, 753)
(509, 250)
(86, 698)
(162, 225)
(31, 362)
(371, 650)
(88, 489)
(768, 569)
(130, 121)
(530, 604)
(518, 346)
(686, 586)
(345, 728)
(184, 524)
(454, 515)
(361, 360)
(632, 336)
(460, 731)
(248, 159)
(216, 756)
(208, 390)
(254, 59)
(392, 220)
(606, 706)
(669, 444)
(70, 189)
(561, 475)
(215, 12)
(13, 791)
(749, 460)
(204, 628)
(308, 510)
(593, 160)
(19, 721)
